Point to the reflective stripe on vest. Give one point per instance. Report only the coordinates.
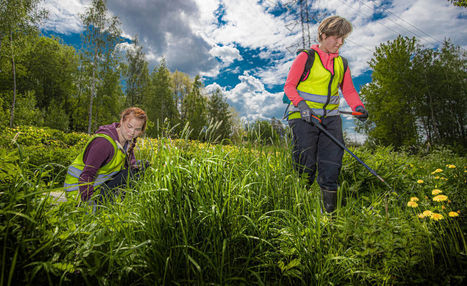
(104, 173)
(321, 89)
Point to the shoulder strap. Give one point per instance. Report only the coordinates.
(346, 63)
(309, 62)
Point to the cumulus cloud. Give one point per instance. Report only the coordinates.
(227, 54)
(64, 15)
(252, 101)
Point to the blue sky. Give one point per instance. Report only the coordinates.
(246, 47)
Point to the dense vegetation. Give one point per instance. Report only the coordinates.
(222, 214)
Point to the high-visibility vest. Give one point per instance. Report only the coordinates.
(104, 173)
(321, 89)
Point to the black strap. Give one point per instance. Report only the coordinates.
(309, 62)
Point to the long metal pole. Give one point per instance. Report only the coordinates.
(321, 127)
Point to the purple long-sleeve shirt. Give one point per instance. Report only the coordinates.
(98, 153)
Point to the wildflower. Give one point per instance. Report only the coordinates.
(414, 199)
(440, 198)
(420, 181)
(443, 207)
(421, 216)
(437, 177)
(436, 216)
(427, 213)
(436, 192)
(452, 166)
(453, 214)
(436, 171)
(412, 204)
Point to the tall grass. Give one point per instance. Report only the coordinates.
(220, 214)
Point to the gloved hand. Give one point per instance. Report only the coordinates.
(362, 110)
(307, 114)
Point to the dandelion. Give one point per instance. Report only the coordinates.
(440, 198)
(452, 166)
(436, 216)
(420, 181)
(412, 204)
(414, 199)
(436, 192)
(436, 171)
(427, 213)
(453, 214)
(437, 177)
(421, 216)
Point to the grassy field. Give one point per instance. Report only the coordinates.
(208, 214)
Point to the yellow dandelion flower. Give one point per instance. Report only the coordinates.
(436, 192)
(453, 214)
(420, 181)
(436, 216)
(452, 166)
(436, 171)
(437, 177)
(440, 198)
(427, 213)
(412, 204)
(414, 199)
(421, 216)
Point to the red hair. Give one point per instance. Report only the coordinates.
(136, 112)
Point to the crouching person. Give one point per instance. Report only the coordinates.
(108, 161)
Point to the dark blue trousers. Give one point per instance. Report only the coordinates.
(312, 148)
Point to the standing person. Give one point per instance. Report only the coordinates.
(108, 159)
(315, 99)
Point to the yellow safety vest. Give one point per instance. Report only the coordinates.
(321, 89)
(104, 173)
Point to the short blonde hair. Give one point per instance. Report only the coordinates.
(334, 26)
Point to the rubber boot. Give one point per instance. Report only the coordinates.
(329, 200)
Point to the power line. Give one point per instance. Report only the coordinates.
(389, 12)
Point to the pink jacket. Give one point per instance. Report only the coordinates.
(296, 71)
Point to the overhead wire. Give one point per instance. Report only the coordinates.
(404, 30)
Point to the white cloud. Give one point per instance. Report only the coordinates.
(64, 15)
(252, 101)
(227, 54)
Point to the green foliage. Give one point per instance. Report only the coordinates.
(101, 36)
(137, 75)
(194, 109)
(220, 214)
(218, 111)
(459, 3)
(265, 131)
(160, 105)
(417, 95)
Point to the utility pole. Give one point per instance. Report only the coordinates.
(305, 14)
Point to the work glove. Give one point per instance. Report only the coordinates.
(362, 110)
(307, 114)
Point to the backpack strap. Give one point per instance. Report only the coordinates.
(309, 62)
(346, 63)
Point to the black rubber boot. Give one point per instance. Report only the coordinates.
(329, 199)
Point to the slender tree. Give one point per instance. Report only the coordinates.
(160, 103)
(194, 109)
(137, 75)
(101, 35)
(17, 18)
(218, 112)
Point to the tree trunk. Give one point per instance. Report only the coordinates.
(13, 68)
(93, 88)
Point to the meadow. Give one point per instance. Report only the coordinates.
(212, 214)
